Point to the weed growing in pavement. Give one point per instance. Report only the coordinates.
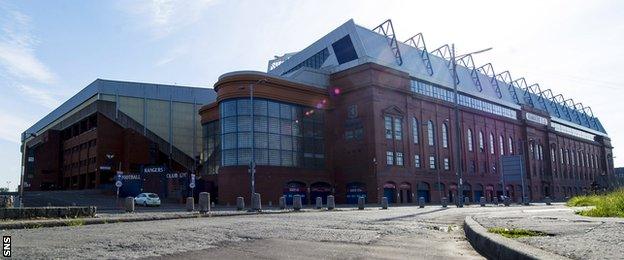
(516, 232)
(607, 205)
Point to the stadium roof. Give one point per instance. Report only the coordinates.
(175, 93)
(350, 45)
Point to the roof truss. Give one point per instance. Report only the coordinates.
(386, 29)
(418, 41)
(468, 62)
(488, 70)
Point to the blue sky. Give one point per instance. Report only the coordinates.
(49, 50)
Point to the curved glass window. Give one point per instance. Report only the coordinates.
(283, 134)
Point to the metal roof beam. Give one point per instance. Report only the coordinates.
(418, 41)
(536, 90)
(386, 29)
(547, 94)
(571, 105)
(468, 62)
(581, 109)
(444, 52)
(522, 85)
(488, 70)
(560, 100)
(505, 77)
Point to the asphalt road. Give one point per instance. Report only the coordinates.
(397, 233)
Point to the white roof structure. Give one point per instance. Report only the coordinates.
(351, 45)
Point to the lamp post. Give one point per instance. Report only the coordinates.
(252, 163)
(457, 123)
(24, 161)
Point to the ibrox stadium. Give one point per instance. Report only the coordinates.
(358, 113)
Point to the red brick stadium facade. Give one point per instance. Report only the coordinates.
(361, 156)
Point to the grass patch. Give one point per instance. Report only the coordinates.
(607, 205)
(515, 232)
(583, 200)
(75, 223)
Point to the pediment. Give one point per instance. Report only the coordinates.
(393, 110)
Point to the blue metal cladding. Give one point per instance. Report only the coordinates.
(186, 94)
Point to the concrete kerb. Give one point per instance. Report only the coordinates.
(95, 221)
(494, 246)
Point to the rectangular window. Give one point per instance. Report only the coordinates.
(417, 161)
(348, 134)
(388, 126)
(399, 158)
(398, 129)
(447, 164)
(389, 158)
(432, 163)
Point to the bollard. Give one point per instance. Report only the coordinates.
(204, 202)
(482, 201)
(212, 204)
(282, 202)
(361, 203)
(466, 201)
(495, 201)
(129, 204)
(297, 202)
(190, 204)
(240, 203)
(547, 200)
(507, 201)
(331, 202)
(444, 202)
(319, 203)
(421, 202)
(384, 203)
(256, 202)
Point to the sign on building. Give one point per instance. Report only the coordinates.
(512, 168)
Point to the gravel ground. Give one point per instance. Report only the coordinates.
(398, 233)
(575, 236)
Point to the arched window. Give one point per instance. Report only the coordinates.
(444, 135)
(501, 142)
(492, 143)
(552, 154)
(469, 139)
(481, 145)
(430, 133)
(415, 130)
(510, 145)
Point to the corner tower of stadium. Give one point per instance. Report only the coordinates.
(360, 113)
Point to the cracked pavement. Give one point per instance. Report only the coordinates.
(398, 233)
